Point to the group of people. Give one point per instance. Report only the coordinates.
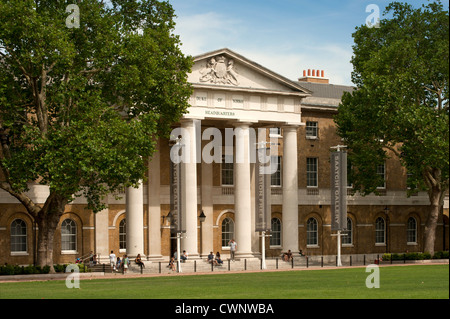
(172, 261)
(215, 260)
(124, 263)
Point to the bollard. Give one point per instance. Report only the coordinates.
(195, 265)
(276, 263)
(350, 260)
(245, 264)
(321, 262)
(159, 267)
(228, 265)
(292, 262)
(307, 261)
(364, 260)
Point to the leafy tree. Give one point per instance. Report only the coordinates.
(80, 107)
(400, 106)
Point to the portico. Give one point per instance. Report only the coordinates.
(232, 95)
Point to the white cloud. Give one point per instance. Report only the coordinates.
(286, 54)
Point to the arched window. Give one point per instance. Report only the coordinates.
(275, 232)
(379, 231)
(123, 234)
(311, 232)
(18, 236)
(348, 239)
(227, 231)
(68, 235)
(411, 230)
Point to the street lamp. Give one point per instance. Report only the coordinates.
(201, 218)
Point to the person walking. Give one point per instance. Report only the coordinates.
(126, 263)
(112, 260)
(233, 246)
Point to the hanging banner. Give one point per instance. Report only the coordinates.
(175, 195)
(263, 193)
(338, 191)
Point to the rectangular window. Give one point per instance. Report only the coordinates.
(311, 172)
(275, 131)
(275, 179)
(312, 130)
(227, 170)
(381, 171)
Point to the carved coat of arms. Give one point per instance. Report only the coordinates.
(219, 71)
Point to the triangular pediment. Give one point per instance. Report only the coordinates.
(225, 69)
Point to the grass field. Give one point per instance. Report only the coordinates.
(396, 282)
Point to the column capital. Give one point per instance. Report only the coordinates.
(242, 124)
(289, 127)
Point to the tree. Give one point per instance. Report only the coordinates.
(81, 104)
(400, 105)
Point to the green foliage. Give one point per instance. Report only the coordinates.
(33, 270)
(400, 106)
(82, 106)
(416, 256)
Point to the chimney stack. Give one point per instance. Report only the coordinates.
(315, 76)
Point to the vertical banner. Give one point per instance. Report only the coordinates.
(338, 191)
(263, 205)
(175, 194)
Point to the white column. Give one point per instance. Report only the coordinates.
(189, 190)
(135, 220)
(154, 205)
(242, 192)
(102, 235)
(290, 190)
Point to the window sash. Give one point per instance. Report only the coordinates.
(312, 129)
(227, 231)
(311, 172)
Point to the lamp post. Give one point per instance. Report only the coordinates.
(201, 218)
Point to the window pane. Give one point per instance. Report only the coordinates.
(311, 172)
(275, 232)
(411, 231)
(347, 239)
(227, 231)
(379, 231)
(311, 232)
(123, 234)
(18, 236)
(275, 179)
(381, 173)
(311, 129)
(227, 170)
(68, 235)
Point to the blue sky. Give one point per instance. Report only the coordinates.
(286, 36)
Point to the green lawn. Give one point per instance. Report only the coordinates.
(399, 282)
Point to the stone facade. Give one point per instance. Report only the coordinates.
(231, 91)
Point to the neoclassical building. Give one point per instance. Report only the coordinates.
(234, 94)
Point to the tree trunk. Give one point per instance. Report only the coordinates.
(47, 227)
(47, 221)
(431, 223)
